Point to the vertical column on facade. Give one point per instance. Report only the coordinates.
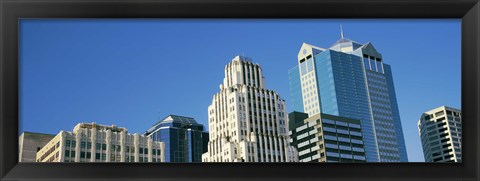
(61, 150)
(149, 148)
(78, 140)
(93, 139)
(123, 140)
(136, 143)
(108, 141)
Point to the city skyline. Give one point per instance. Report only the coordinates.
(111, 64)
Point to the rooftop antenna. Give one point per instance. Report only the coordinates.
(341, 31)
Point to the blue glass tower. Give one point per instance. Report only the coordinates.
(351, 80)
(185, 139)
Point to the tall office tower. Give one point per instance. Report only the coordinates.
(90, 142)
(440, 130)
(326, 138)
(185, 139)
(351, 80)
(29, 143)
(247, 122)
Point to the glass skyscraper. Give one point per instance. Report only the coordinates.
(185, 139)
(351, 80)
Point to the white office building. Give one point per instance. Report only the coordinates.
(247, 122)
(440, 130)
(90, 142)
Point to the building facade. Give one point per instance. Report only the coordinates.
(30, 143)
(440, 130)
(90, 142)
(247, 122)
(351, 80)
(327, 138)
(185, 139)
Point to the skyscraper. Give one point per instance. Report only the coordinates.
(185, 139)
(247, 122)
(351, 80)
(440, 130)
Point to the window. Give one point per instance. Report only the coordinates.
(140, 150)
(146, 150)
(104, 156)
(89, 155)
(82, 154)
(89, 145)
(372, 63)
(82, 144)
(74, 144)
(67, 143)
(97, 146)
(104, 147)
(97, 156)
(67, 154)
(379, 66)
(366, 63)
(72, 154)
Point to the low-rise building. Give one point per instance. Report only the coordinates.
(90, 142)
(185, 139)
(30, 143)
(326, 138)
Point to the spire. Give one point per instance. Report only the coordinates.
(341, 31)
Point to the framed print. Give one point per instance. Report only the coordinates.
(240, 90)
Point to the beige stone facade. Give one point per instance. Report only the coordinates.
(247, 122)
(90, 142)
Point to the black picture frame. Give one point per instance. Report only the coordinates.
(12, 10)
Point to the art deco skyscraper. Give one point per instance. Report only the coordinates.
(247, 122)
(351, 80)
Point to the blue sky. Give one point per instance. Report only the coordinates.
(132, 73)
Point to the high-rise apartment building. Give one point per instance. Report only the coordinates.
(440, 130)
(247, 122)
(326, 138)
(30, 143)
(100, 143)
(185, 139)
(351, 80)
